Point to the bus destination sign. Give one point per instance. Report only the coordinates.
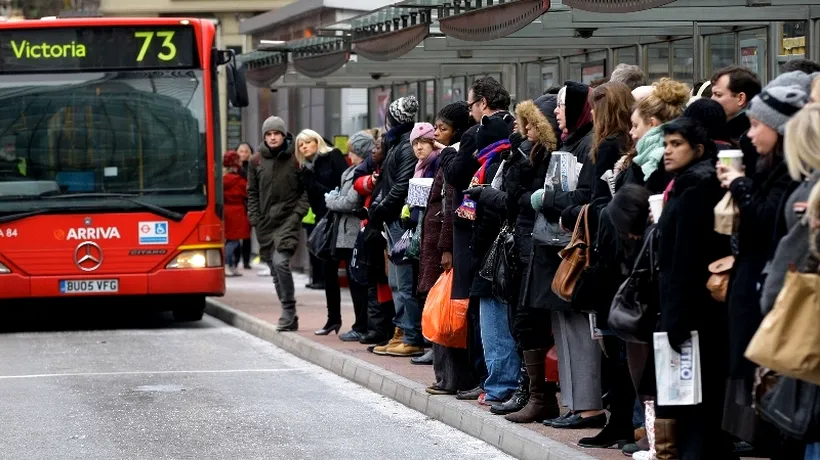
(97, 48)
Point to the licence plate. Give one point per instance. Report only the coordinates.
(88, 286)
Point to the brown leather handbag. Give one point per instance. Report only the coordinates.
(575, 258)
(718, 283)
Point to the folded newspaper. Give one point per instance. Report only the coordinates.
(678, 376)
(562, 172)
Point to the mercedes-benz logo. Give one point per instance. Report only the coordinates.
(88, 256)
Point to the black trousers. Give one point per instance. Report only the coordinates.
(244, 251)
(358, 292)
(532, 328)
(317, 273)
(617, 383)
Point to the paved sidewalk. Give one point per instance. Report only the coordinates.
(250, 304)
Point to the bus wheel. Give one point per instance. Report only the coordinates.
(189, 309)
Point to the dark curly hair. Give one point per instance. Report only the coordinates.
(457, 115)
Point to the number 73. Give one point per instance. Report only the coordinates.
(169, 49)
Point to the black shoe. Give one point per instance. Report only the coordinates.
(639, 446)
(517, 402)
(576, 422)
(247, 267)
(426, 358)
(549, 422)
(290, 327)
(317, 286)
(608, 437)
(470, 395)
(351, 336)
(373, 338)
(329, 327)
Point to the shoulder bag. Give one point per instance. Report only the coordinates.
(575, 258)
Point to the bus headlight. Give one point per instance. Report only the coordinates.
(201, 258)
(4, 269)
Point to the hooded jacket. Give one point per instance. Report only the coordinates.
(277, 200)
(235, 215)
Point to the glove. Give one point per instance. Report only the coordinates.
(516, 139)
(377, 213)
(537, 199)
(676, 338)
(361, 213)
(474, 193)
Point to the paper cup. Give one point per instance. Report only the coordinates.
(656, 206)
(732, 158)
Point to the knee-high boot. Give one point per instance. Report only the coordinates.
(543, 403)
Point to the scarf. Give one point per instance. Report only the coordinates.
(485, 158)
(423, 166)
(650, 151)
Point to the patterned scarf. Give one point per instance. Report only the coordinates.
(485, 158)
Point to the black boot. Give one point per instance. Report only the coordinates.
(519, 399)
(542, 402)
(613, 433)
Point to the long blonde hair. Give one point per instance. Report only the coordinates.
(802, 142)
(309, 135)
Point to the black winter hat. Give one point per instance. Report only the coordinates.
(547, 104)
(710, 114)
(577, 94)
(493, 129)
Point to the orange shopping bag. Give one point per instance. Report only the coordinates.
(444, 320)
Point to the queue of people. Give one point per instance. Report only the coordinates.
(631, 218)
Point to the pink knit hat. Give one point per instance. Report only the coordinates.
(424, 131)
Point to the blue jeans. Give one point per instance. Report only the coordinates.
(813, 451)
(500, 352)
(230, 253)
(408, 311)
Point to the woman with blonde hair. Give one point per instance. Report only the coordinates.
(321, 172)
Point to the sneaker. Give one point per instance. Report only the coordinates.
(404, 350)
(398, 337)
(642, 455)
(482, 399)
(264, 272)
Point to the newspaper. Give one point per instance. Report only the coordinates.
(678, 376)
(562, 172)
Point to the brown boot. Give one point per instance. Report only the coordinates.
(398, 337)
(542, 404)
(666, 440)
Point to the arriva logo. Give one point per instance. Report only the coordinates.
(29, 50)
(99, 233)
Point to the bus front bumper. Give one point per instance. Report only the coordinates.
(203, 281)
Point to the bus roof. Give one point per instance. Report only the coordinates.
(97, 21)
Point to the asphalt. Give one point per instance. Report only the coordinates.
(77, 384)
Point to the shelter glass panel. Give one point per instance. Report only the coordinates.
(793, 35)
(628, 55)
(683, 60)
(533, 73)
(549, 75)
(657, 61)
(379, 101)
(429, 100)
(576, 67)
(720, 51)
(753, 46)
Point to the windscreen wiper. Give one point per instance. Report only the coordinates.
(131, 198)
(23, 215)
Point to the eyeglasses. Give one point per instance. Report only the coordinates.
(471, 104)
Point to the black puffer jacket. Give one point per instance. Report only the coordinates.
(397, 170)
(566, 205)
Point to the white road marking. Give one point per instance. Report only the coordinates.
(105, 374)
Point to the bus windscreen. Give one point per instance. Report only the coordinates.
(97, 48)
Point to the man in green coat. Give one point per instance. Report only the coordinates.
(277, 202)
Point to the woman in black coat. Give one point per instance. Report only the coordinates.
(687, 245)
(322, 169)
(758, 199)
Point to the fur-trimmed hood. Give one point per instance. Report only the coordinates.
(531, 112)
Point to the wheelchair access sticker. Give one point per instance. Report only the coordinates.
(153, 232)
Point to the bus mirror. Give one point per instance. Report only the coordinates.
(237, 87)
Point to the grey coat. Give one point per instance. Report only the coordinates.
(792, 248)
(345, 204)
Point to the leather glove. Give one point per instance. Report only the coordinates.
(361, 213)
(516, 139)
(378, 213)
(676, 339)
(474, 193)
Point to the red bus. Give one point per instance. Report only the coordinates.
(110, 170)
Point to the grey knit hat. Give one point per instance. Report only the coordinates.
(361, 144)
(274, 124)
(775, 106)
(797, 78)
(403, 110)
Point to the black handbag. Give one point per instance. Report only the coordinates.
(793, 406)
(502, 266)
(545, 233)
(323, 238)
(633, 315)
(359, 265)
